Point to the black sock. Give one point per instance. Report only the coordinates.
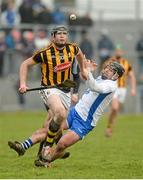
(40, 148)
(52, 132)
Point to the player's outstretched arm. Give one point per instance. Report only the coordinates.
(132, 82)
(23, 74)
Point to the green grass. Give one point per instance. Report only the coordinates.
(119, 157)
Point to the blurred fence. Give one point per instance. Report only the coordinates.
(125, 32)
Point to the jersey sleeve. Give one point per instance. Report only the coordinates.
(37, 57)
(129, 67)
(76, 49)
(105, 86)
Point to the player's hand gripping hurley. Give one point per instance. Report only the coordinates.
(66, 84)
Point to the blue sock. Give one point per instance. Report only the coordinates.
(27, 143)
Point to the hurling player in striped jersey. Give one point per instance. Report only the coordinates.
(120, 95)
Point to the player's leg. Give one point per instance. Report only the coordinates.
(59, 111)
(59, 135)
(115, 107)
(40, 161)
(76, 132)
(48, 119)
(36, 137)
(57, 152)
(58, 102)
(66, 141)
(78, 128)
(65, 100)
(118, 100)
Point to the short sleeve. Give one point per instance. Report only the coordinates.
(129, 68)
(37, 57)
(76, 49)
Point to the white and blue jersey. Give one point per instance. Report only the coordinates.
(84, 116)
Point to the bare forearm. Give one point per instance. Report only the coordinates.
(133, 83)
(23, 73)
(132, 80)
(80, 58)
(81, 61)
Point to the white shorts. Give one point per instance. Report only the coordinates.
(120, 94)
(65, 97)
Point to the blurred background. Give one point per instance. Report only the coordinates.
(101, 24)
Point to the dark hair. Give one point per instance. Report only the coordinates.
(118, 68)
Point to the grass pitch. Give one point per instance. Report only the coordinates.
(119, 157)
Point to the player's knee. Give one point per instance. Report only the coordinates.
(54, 126)
(115, 106)
(60, 115)
(114, 110)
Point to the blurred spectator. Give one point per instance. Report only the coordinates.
(26, 11)
(72, 34)
(14, 47)
(139, 49)
(10, 16)
(2, 51)
(41, 39)
(58, 17)
(37, 8)
(4, 5)
(45, 16)
(10, 44)
(17, 38)
(86, 45)
(29, 46)
(9, 40)
(105, 47)
(86, 20)
(18, 49)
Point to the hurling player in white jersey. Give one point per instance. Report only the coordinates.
(84, 115)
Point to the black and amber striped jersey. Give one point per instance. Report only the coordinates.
(124, 62)
(56, 65)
